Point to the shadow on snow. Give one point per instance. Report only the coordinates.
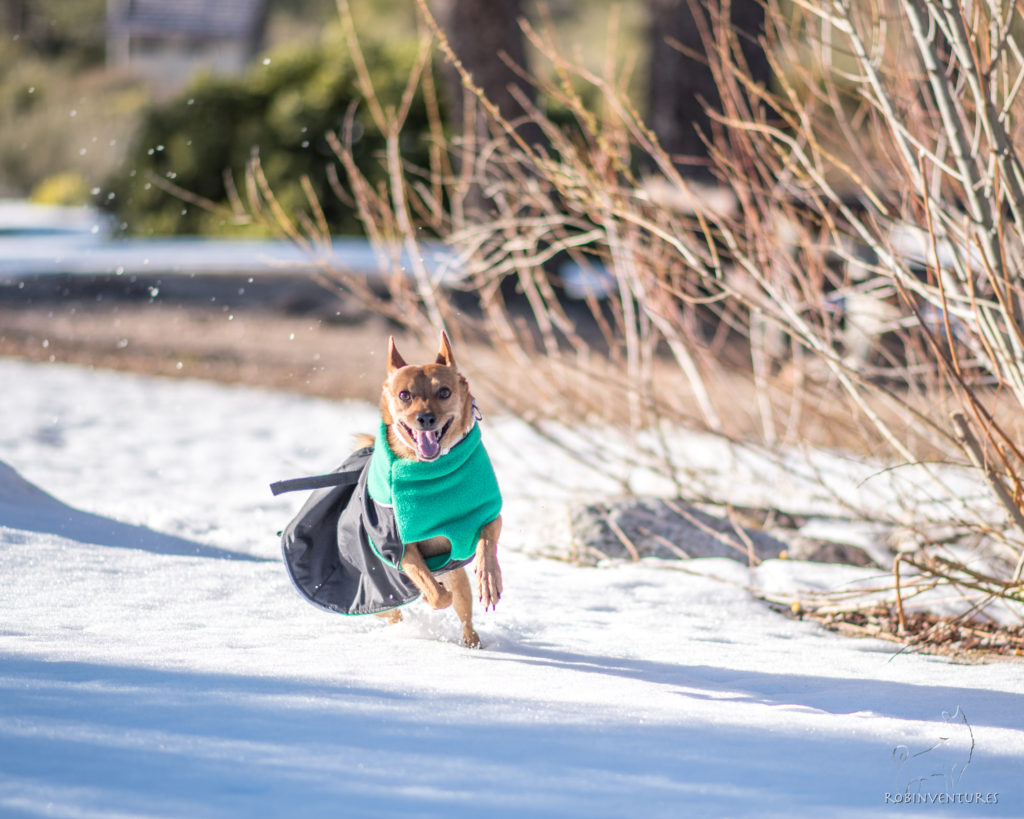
(25, 506)
(153, 742)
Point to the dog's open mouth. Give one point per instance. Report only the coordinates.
(426, 442)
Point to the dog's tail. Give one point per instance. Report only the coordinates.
(364, 441)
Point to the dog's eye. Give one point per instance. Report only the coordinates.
(443, 393)
(404, 395)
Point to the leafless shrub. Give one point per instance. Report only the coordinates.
(901, 149)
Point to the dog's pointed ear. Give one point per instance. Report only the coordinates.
(445, 356)
(395, 360)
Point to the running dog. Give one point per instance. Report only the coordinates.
(428, 413)
(408, 510)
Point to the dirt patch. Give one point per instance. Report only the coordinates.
(324, 348)
(260, 347)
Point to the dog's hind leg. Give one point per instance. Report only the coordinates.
(462, 601)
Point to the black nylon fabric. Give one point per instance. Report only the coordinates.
(328, 553)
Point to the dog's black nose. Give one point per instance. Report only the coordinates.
(426, 420)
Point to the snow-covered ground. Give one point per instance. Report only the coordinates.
(156, 661)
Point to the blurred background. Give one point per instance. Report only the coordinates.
(97, 95)
(129, 131)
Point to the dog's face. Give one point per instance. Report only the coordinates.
(427, 408)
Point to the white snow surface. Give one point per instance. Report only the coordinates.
(156, 661)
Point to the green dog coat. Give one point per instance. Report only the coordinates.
(454, 496)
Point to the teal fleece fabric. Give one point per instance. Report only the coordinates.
(453, 496)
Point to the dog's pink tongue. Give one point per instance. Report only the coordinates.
(428, 444)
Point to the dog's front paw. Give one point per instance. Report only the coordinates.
(488, 583)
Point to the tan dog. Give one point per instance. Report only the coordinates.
(427, 410)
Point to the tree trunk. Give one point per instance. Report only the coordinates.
(486, 37)
(682, 87)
